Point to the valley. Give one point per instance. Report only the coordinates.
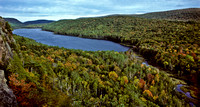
(170, 77)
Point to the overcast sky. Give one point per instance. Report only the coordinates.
(25, 10)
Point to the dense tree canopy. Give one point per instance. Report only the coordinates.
(51, 76)
(173, 45)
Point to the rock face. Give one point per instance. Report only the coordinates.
(7, 98)
(6, 40)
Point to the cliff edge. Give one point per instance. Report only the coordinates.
(7, 98)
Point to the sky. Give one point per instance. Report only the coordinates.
(26, 10)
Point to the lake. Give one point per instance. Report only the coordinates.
(70, 42)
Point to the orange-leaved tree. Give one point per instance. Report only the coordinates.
(22, 90)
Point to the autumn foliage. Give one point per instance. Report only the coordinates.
(22, 90)
(43, 75)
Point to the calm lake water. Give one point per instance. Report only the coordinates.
(69, 42)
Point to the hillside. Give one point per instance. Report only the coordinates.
(190, 14)
(172, 45)
(37, 22)
(14, 22)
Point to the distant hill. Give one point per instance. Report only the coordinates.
(189, 14)
(14, 22)
(17, 24)
(38, 22)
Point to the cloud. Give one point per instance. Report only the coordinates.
(47, 9)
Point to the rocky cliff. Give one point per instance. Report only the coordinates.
(7, 98)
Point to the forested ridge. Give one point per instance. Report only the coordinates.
(189, 14)
(172, 45)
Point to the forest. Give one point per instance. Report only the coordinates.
(42, 75)
(171, 45)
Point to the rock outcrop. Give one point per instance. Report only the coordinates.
(6, 40)
(7, 98)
